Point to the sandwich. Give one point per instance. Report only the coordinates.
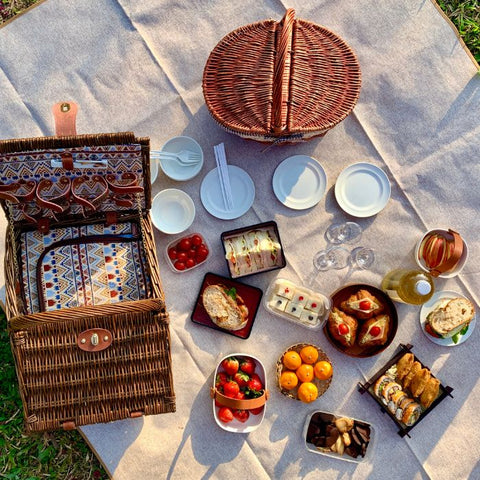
(342, 327)
(451, 318)
(225, 307)
(374, 331)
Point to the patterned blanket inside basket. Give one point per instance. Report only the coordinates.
(82, 266)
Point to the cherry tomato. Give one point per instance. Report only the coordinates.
(190, 263)
(196, 240)
(184, 244)
(225, 414)
(202, 254)
(374, 331)
(172, 253)
(191, 253)
(343, 329)
(182, 256)
(179, 265)
(364, 305)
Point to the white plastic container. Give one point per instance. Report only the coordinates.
(296, 303)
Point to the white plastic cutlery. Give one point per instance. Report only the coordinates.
(224, 178)
(184, 157)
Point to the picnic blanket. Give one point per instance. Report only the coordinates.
(137, 66)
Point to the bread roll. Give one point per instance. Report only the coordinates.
(453, 317)
(342, 327)
(362, 305)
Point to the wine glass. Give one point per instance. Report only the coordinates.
(362, 257)
(334, 257)
(346, 232)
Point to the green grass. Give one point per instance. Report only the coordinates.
(65, 455)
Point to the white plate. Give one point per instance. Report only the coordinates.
(172, 211)
(174, 169)
(243, 193)
(153, 170)
(435, 301)
(299, 182)
(362, 189)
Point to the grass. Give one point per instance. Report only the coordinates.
(65, 455)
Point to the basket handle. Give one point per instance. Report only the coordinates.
(281, 74)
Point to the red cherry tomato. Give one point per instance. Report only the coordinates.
(182, 256)
(196, 240)
(364, 305)
(172, 253)
(343, 329)
(179, 265)
(202, 254)
(184, 244)
(190, 263)
(191, 253)
(374, 331)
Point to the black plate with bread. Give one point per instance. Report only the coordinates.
(227, 305)
(363, 320)
(406, 389)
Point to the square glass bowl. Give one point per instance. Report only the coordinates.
(253, 249)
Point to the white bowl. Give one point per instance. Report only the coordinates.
(153, 170)
(452, 273)
(253, 421)
(172, 168)
(172, 211)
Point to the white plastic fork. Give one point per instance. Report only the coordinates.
(185, 157)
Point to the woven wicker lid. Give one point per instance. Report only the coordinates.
(281, 81)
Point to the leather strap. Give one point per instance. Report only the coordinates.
(27, 196)
(244, 404)
(65, 115)
(129, 183)
(90, 206)
(453, 259)
(58, 204)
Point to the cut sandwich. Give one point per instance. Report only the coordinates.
(225, 307)
(450, 319)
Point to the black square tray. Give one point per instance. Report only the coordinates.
(369, 386)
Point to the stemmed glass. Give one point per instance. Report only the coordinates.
(339, 257)
(346, 232)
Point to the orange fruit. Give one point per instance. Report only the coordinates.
(307, 392)
(292, 360)
(323, 370)
(304, 372)
(288, 380)
(309, 354)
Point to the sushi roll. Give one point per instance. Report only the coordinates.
(411, 414)
(402, 405)
(389, 389)
(395, 400)
(380, 384)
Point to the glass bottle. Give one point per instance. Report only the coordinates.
(408, 286)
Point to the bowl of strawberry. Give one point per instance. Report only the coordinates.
(239, 393)
(187, 252)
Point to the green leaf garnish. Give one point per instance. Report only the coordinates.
(232, 292)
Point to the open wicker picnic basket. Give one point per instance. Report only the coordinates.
(85, 306)
(281, 81)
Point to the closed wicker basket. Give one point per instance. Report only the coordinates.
(281, 81)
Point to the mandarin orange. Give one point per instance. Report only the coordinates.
(307, 392)
(304, 372)
(288, 380)
(292, 360)
(323, 370)
(309, 354)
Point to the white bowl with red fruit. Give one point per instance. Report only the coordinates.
(239, 393)
(187, 252)
(441, 252)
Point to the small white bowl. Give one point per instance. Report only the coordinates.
(172, 168)
(451, 273)
(172, 211)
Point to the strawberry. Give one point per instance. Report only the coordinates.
(254, 386)
(241, 378)
(240, 395)
(225, 414)
(247, 365)
(230, 389)
(230, 365)
(220, 380)
(241, 415)
(256, 411)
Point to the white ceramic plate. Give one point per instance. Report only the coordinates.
(362, 189)
(176, 170)
(172, 211)
(153, 170)
(243, 193)
(299, 182)
(437, 299)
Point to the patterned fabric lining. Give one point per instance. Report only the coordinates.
(83, 274)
